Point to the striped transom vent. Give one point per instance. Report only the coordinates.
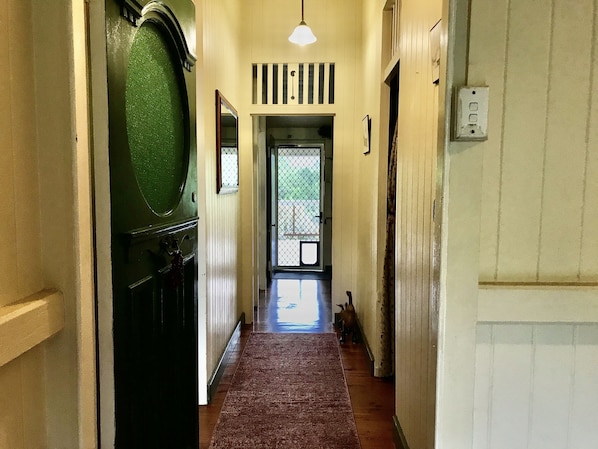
(296, 83)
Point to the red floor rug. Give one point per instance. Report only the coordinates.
(288, 392)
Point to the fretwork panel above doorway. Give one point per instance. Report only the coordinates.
(293, 83)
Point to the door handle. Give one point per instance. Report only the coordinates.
(171, 246)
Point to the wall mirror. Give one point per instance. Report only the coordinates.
(227, 148)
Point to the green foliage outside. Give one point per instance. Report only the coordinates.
(298, 182)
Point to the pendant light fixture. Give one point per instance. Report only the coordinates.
(302, 34)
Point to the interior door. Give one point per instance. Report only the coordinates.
(151, 90)
(297, 216)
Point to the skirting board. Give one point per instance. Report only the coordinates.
(361, 338)
(219, 371)
(366, 347)
(398, 435)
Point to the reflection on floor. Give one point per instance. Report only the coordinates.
(294, 305)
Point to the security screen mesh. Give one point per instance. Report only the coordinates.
(298, 202)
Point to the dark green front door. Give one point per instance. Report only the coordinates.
(151, 90)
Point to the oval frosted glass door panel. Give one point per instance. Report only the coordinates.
(156, 116)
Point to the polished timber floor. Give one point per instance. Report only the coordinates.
(295, 305)
(301, 304)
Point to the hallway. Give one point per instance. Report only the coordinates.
(303, 305)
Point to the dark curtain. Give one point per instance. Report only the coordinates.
(386, 306)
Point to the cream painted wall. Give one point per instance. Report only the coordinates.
(20, 232)
(518, 298)
(371, 176)
(22, 381)
(540, 188)
(63, 136)
(416, 319)
(48, 393)
(218, 68)
(539, 217)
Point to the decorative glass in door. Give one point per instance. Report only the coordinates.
(153, 211)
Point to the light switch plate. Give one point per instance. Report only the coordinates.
(471, 114)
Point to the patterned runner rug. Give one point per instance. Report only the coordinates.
(288, 392)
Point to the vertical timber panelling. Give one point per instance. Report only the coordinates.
(20, 261)
(528, 49)
(25, 153)
(8, 268)
(539, 189)
(583, 416)
(41, 404)
(535, 383)
(372, 179)
(565, 140)
(345, 189)
(416, 172)
(488, 63)
(22, 390)
(220, 70)
(58, 159)
(536, 386)
(588, 263)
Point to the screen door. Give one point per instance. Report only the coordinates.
(297, 207)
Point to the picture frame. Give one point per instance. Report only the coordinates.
(435, 52)
(366, 126)
(227, 146)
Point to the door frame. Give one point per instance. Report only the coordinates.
(98, 74)
(264, 138)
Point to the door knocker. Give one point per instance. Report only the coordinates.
(176, 275)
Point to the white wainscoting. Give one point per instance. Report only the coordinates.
(536, 386)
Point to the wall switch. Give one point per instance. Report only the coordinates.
(471, 119)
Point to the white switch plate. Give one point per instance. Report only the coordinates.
(471, 119)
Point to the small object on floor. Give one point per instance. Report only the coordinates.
(348, 320)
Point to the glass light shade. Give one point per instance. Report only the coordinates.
(302, 35)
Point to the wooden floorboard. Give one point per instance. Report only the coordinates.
(372, 398)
